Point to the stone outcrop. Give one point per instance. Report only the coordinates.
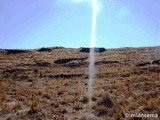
(74, 63)
(143, 64)
(65, 76)
(42, 64)
(44, 50)
(105, 62)
(156, 62)
(67, 60)
(15, 51)
(96, 50)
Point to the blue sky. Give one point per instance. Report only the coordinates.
(45, 23)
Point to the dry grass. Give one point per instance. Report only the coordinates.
(33, 86)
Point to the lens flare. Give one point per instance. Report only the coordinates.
(95, 9)
(92, 55)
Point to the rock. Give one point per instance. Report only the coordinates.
(42, 64)
(83, 99)
(32, 112)
(65, 76)
(144, 64)
(67, 60)
(86, 50)
(99, 50)
(63, 61)
(74, 63)
(106, 102)
(105, 62)
(30, 80)
(156, 62)
(24, 77)
(96, 50)
(13, 73)
(44, 50)
(12, 51)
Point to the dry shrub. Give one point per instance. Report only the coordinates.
(60, 92)
(103, 106)
(62, 110)
(70, 99)
(105, 101)
(77, 106)
(47, 96)
(55, 104)
(60, 117)
(16, 106)
(101, 111)
(94, 98)
(82, 99)
(34, 109)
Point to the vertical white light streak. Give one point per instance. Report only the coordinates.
(92, 54)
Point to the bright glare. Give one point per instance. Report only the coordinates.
(94, 16)
(92, 56)
(94, 3)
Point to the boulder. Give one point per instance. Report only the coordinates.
(96, 50)
(65, 76)
(156, 62)
(44, 50)
(74, 63)
(144, 64)
(105, 62)
(42, 64)
(67, 60)
(16, 51)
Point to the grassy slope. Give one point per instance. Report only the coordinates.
(33, 86)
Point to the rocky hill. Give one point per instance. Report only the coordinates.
(51, 83)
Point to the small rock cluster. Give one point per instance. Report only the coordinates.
(96, 50)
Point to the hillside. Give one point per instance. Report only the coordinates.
(51, 84)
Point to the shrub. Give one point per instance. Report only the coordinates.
(106, 102)
(101, 111)
(77, 106)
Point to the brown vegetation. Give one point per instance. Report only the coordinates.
(51, 83)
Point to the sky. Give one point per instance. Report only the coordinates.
(29, 24)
